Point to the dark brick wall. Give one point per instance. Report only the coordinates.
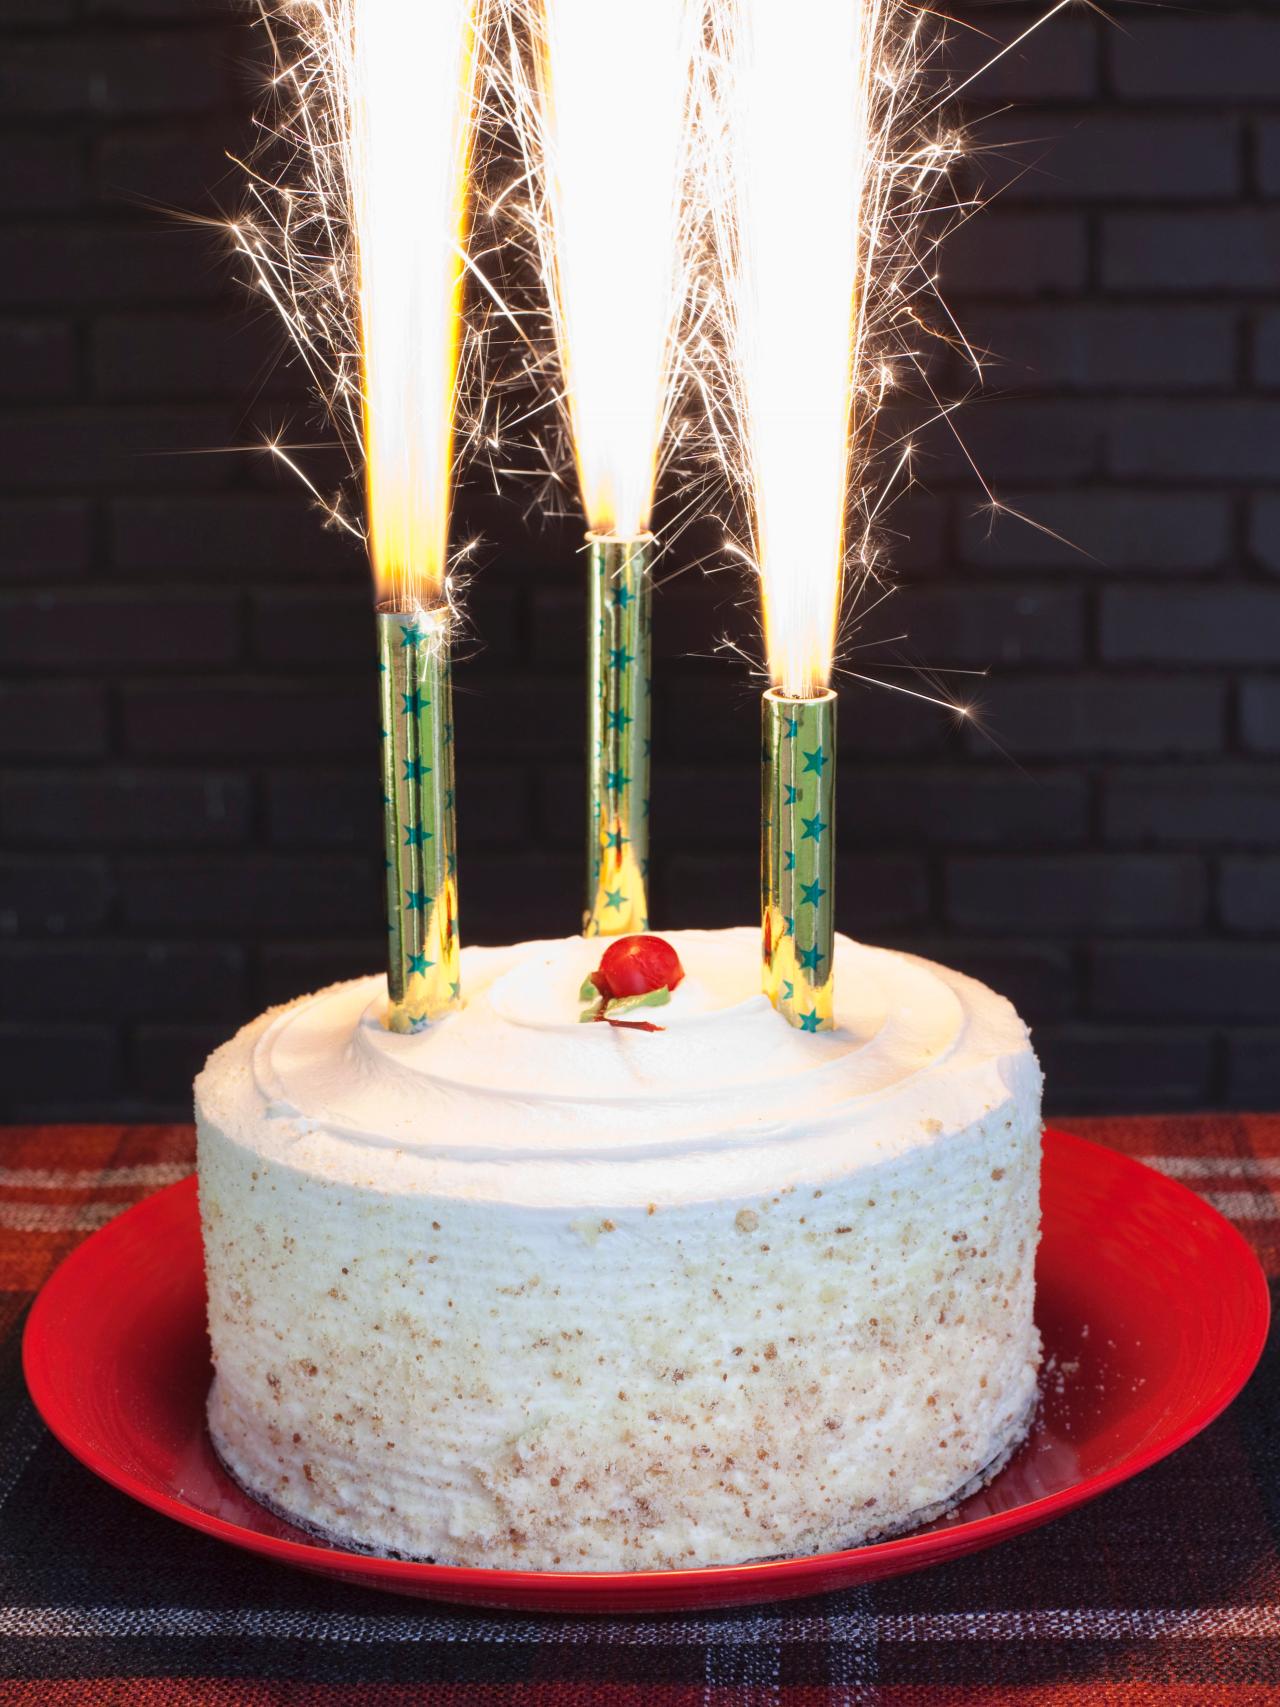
(187, 745)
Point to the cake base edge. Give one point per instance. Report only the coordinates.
(1017, 1437)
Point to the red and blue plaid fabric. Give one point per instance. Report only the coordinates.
(1164, 1593)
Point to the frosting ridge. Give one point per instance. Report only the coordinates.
(513, 1097)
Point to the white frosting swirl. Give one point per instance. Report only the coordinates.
(513, 1099)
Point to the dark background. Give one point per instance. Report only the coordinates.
(188, 737)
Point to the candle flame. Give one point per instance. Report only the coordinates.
(604, 128)
(410, 80)
(828, 193)
(799, 127)
(358, 240)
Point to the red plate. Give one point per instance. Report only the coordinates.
(1153, 1308)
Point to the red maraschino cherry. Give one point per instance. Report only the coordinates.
(635, 965)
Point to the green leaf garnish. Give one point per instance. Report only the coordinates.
(619, 1005)
(650, 999)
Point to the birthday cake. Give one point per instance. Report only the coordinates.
(688, 1289)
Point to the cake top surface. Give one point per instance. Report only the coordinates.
(513, 1097)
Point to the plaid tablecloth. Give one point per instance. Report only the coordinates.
(1165, 1591)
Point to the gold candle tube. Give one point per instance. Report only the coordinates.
(798, 856)
(619, 682)
(415, 674)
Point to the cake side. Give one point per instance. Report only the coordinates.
(702, 1385)
(415, 1368)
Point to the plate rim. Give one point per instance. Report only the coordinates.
(619, 1591)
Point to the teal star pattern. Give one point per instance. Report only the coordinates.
(455, 990)
(417, 711)
(618, 756)
(800, 842)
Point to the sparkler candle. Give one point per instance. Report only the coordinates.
(795, 249)
(604, 131)
(408, 154)
(364, 254)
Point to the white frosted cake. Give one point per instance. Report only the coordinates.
(518, 1291)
